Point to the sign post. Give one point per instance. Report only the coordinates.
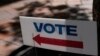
(61, 35)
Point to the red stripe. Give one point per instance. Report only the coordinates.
(59, 42)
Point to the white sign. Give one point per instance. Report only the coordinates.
(61, 35)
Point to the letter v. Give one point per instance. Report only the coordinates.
(38, 27)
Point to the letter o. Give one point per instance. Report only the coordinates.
(49, 28)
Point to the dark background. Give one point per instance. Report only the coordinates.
(5, 2)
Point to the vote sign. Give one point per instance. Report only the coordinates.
(60, 34)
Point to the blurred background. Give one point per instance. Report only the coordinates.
(10, 10)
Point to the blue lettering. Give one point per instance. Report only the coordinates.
(60, 27)
(38, 27)
(49, 28)
(71, 30)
